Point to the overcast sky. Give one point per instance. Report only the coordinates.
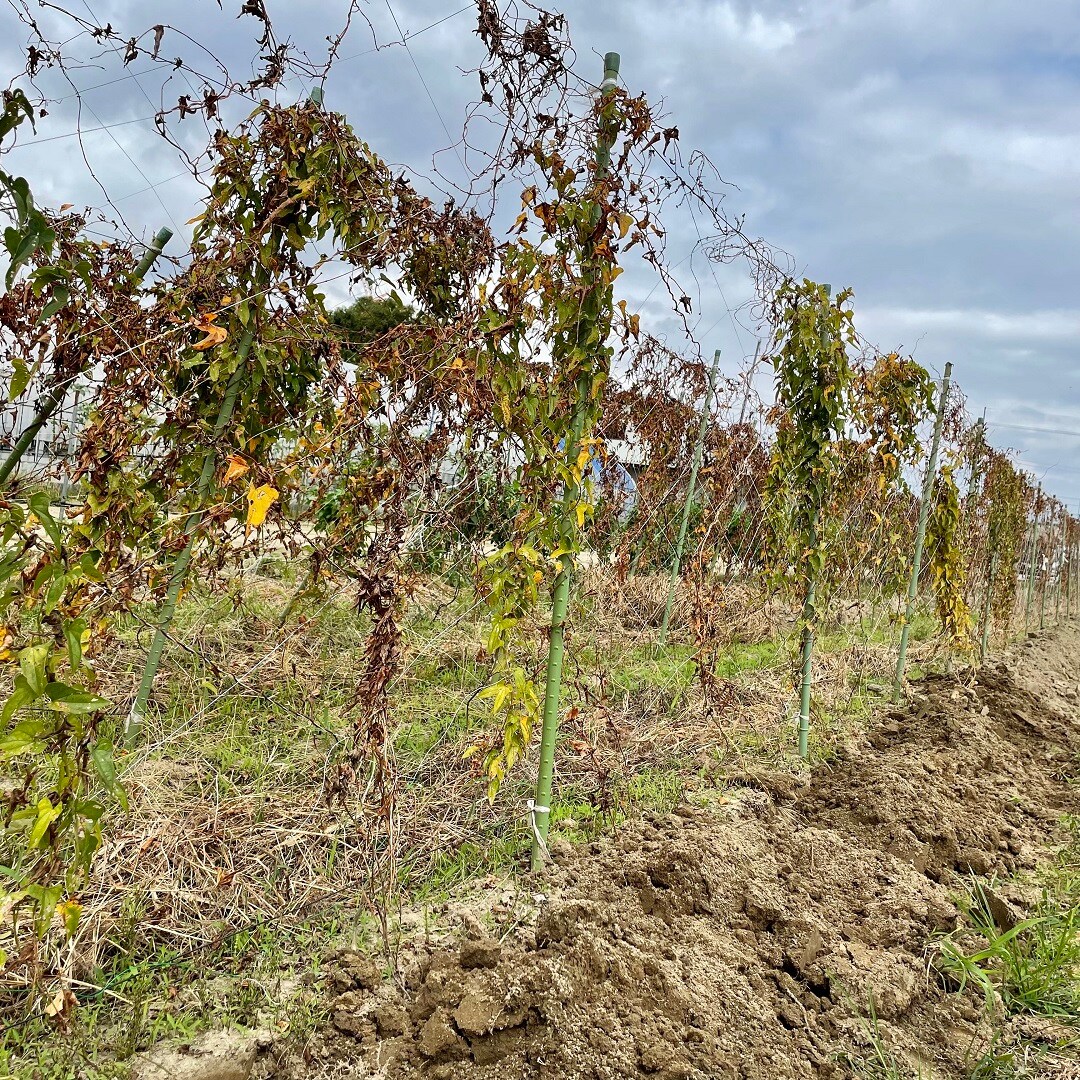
(926, 154)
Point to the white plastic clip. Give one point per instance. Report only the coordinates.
(537, 836)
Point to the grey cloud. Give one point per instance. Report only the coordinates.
(924, 153)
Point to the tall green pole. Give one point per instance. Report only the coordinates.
(987, 603)
(1031, 564)
(699, 448)
(1066, 571)
(540, 808)
(183, 560)
(920, 532)
(1045, 565)
(51, 401)
(1057, 565)
(1074, 568)
(971, 501)
(807, 643)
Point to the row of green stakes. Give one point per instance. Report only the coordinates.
(1054, 559)
(1060, 561)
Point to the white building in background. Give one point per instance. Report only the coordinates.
(53, 445)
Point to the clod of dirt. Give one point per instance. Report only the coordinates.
(439, 1039)
(218, 1055)
(479, 953)
(352, 970)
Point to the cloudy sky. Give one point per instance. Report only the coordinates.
(926, 154)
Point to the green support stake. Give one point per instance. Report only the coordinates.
(971, 500)
(540, 806)
(807, 642)
(1074, 567)
(699, 448)
(920, 532)
(984, 645)
(1032, 557)
(1045, 564)
(183, 560)
(53, 399)
(808, 648)
(1057, 565)
(1074, 572)
(1066, 570)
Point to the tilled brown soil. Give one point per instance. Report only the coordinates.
(752, 939)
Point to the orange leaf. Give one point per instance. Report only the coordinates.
(237, 467)
(215, 335)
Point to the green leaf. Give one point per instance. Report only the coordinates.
(61, 295)
(88, 565)
(55, 592)
(105, 767)
(73, 635)
(47, 897)
(20, 378)
(68, 699)
(26, 737)
(39, 503)
(46, 815)
(32, 662)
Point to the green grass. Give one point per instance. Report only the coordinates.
(469, 862)
(877, 1061)
(1032, 967)
(146, 996)
(1004, 1062)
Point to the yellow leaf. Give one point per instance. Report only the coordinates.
(69, 911)
(237, 467)
(215, 335)
(197, 217)
(260, 499)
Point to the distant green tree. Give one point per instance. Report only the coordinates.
(368, 318)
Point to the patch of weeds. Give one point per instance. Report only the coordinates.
(657, 790)
(580, 821)
(142, 996)
(469, 861)
(1008, 1063)
(743, 658)
(1031, 967)
(878, 1062)
(644, 667)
